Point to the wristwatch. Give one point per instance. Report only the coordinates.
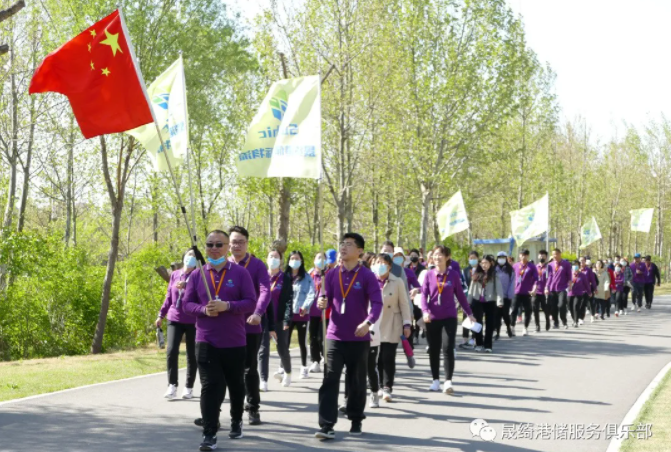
(369, 324)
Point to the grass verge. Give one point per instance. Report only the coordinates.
(656, 411)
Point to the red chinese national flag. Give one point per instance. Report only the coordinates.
(95, 71)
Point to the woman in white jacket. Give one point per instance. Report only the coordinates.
(485, 295)
(602, 296)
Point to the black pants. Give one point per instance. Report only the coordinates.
(175, 332)
(522, 301)
(434, 335)
(252, 379)
(540, 302)
(371, 372)
(557, 302)
(626, 291)
(620, 301)
(577, 304)
(220, 368)
(316, 340)
(488, 311)
(417, 314)
(637, 294)
(386, 365)
(504, 314)
(264, 350)
(593, 305)
(354, 356)
(465, 332)
(604, 306)
(302, 328)
(648, 291)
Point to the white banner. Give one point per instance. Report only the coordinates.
(589, 234)
(530, 220)
(641, 219)
(452, 217)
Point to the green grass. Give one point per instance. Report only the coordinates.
(664, 289)
(656, 411)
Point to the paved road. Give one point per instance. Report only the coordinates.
(591, 376)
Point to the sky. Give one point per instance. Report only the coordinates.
(611, 57)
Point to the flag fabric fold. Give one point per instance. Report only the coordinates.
(589, 233)
(95, 70)
(530, 221)
(641, 219)
(284, 138)
(452, 217)
(168, 97)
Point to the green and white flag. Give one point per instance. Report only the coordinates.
(284, 138)
(589, 234)
(168, 98)
(530, 220)
(452, 216)
(641, 219)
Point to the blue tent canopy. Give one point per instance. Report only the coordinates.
(510, 241)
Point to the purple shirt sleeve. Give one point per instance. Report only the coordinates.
(248, 300)
(375, 298)
(191, 303)
(168, 297)
(426, 293)
(264, 289)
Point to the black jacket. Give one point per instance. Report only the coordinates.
(419, 269)
(655, 272)
(284, 305)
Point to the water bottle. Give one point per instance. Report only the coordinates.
(159, 337)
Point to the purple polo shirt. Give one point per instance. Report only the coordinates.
(638, 277)
(559, 276)
(619, 281)
(227, 330)
(580, 284)
(169, 307)
(591, 278)
(317, 278)
(542, 270)
(441, 306)
(525, 277)
(275, 290)
(413, 282)
(649, 274)
(365, 290)
(259, 273)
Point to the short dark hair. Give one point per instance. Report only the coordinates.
(358, 239)
(543, 252)
(445, 251)
(385, 257)
(239, 230)
(617, 256)
(278, 251)
(387, 243)
(556, 250)
(648, 258)
(576, 262)
(474, 253)
(414, 250)
(218, 231)
(524, 252)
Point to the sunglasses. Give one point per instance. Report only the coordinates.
(218, 245)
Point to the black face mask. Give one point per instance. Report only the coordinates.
(541, 260)
(414, 259)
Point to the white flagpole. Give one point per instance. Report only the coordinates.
(547, 231)
(165, 149)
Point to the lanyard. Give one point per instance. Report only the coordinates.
(277, 278)
(248, 260)
(342, 290)
(317, 285)
(223, 275)
(441, 286)
(522, 270)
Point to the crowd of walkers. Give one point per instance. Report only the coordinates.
(368, 303)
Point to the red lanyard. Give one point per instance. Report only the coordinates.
(342, 290)
(223, 275)
(441, 286)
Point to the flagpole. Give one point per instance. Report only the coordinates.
(321, 216)
(192, 237)
(547, 231)
(188, 160)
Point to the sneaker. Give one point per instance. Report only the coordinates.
(525, 332)
(478, 348)
(343, 408)
(236, 430)
(488, 350)
(603, 318)
(356, 428)
(447, 387)
(325, 432)
(471, 342)
(171, 393)
(254, 417)
(188, 393)
(315, 368)
(465, 346)
(555, 326)
(575, 325)
(512, 331)
(638, 310)
(263, 386)
(199, 422)
(286, 380)
(519, 319)
(538, 328)
(380, 393)
(279, 374)
(374, 401)
(496, 336)
(592, 320)
(386, 395)
(209, 443)
(566, 326)
(625, 312)
(617, 313)
(580, 322)
(633, 307)
(427, 349)
(587, 312)
(435, 386)
(304, 373)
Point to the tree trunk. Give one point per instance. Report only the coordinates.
(284, 210)
(26, 168)
(376, 220)
(14, 153)
(69, 192)
(426, 190)
(317, 238)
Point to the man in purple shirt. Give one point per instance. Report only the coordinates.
(349, 290)
(526, 276)
(539, 299)
(259, 273)
(219, 308)
(652, 275)
(639, 273)
(559, 276)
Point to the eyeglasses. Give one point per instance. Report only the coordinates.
(238, 242)
(347, 244)
(218, 245)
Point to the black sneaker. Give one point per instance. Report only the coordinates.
(342, 409)
(199, 423)
(496, 336)
(555, 326)
(325, 432)
(254, 417)
(356, 428)
(236, 430)
(209, 443)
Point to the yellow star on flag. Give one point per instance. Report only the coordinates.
(92, 67)
(93, 32)
(112, 41)
(106, 72)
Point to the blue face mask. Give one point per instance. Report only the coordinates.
(380, 269)
(398, 260)
(189, 261)
(216, 262)
(295, 264)
(472, 262)
(575, 268)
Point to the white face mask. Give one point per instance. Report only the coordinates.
(295, 264)
(273, 263)
(320, 264)
(618, 270)
(501, 260)
(588, 262)
(623, 262)
(379, 269)
(189, 261)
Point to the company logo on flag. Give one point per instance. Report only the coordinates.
(284, 138)
(589, 234)
(641, 219)
(452, 217)
(168, 96)
(530, 221)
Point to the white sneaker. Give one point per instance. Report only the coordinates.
(435, 386)
(279, 374)
(592, 320)
(625, 312)
(171, 393)
(580, 322)
(286, 380)
(633, 307)
(263, 387)
(188, 393)
(447, 387)
(380, 393)
(525, 332)
(315, 368)
(587, 311)
(471, 342)
(478, 348)
(304, 373)
(488, 350)
(386, 395)
(374, 401)
(638, 310)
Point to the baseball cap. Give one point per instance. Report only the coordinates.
(399, 250)
(501, 254)
(637, 255)
(331, 256)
